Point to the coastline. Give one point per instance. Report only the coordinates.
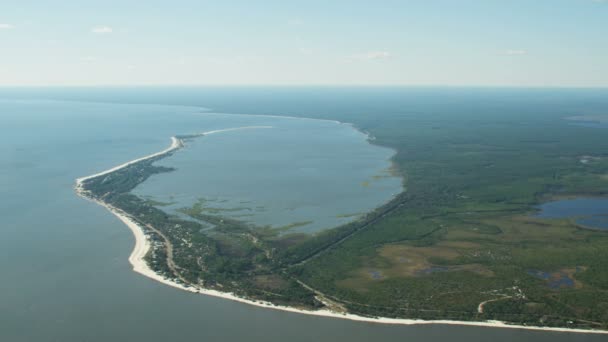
(142, 246)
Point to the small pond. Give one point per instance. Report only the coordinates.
(588, 212)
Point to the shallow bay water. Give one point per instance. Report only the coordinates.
(283, 172)
(65, 274)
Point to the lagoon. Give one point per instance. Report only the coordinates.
(294, 175)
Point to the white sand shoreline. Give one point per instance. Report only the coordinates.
(142, 246)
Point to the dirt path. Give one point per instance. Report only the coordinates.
(398, 203)
(482, 304)
(170, 263)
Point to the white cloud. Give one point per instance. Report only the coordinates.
(370, 55)
(101, 30)
(516, 52)
(305, 51)
(6, 26)
(89, 59)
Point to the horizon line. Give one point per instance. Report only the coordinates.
(288, 85)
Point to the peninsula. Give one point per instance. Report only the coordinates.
(262, 267)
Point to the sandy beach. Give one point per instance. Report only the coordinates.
(142, 246)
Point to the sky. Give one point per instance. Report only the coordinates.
(554, 43)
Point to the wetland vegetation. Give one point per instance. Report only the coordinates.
(461, 242)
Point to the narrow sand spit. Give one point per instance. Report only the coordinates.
(142, 246)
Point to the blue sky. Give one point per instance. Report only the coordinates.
(426, 42)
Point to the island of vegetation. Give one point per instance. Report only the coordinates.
(458, 245)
